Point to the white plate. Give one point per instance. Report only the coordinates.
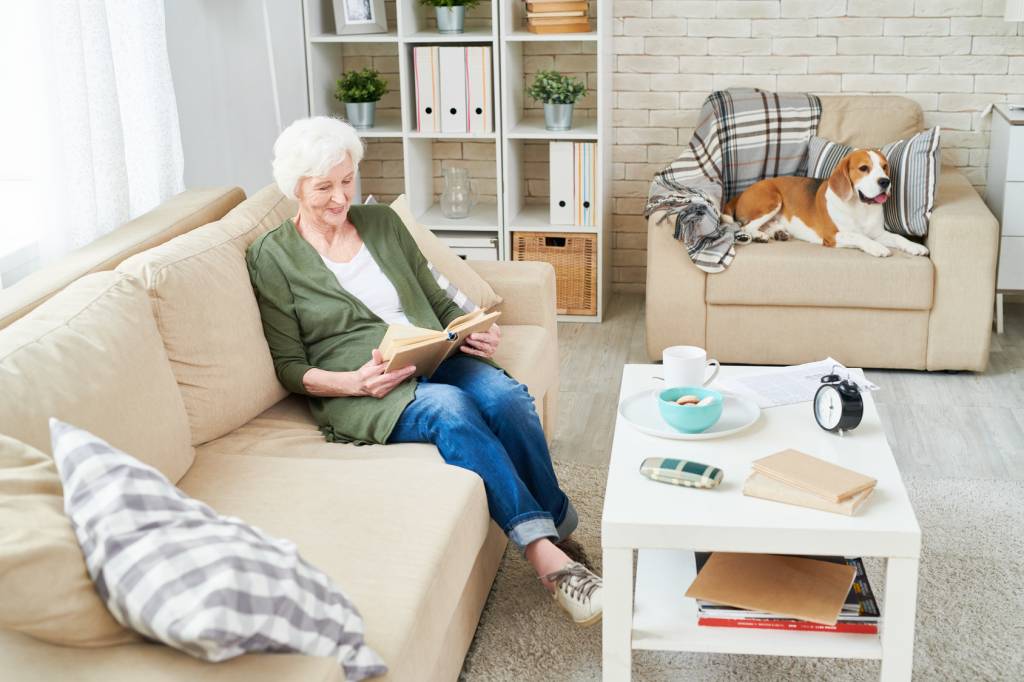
(641, 411)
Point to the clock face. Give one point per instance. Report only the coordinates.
(828, 407)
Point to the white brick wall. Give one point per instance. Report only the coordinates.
(951, 56)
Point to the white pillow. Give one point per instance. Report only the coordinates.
(172, 569)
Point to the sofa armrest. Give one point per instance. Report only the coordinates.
(963, 241)
(527, 289)
(676, 312)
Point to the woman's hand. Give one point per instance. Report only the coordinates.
(483, 344)
(371, 379)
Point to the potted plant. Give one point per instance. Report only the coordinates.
(559, 93)
(451, 14)
(360, 91)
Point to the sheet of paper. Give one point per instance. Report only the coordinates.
(790, 385)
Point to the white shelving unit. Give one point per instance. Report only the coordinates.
(524, 125)
(501, 25)
(410, 25)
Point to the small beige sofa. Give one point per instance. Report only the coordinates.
(165, 357)
(791, 302)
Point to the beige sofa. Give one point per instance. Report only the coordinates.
(165, 358)
(792, 302)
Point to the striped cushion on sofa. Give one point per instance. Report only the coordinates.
(174, 570)
(913, 168)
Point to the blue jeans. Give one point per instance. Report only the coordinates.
(483, 420)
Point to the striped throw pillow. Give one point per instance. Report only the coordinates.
(458, 297)
(174, 570)
(913, 168)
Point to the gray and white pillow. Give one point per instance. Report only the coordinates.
(174, 570)
(460, 299)
(913, 167)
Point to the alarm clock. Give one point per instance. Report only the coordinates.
(838, 406)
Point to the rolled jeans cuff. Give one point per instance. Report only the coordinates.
(530, 528)
(569, 521)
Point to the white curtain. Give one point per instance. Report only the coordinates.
(98, 105)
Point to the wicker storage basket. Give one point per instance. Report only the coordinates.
(574, 257)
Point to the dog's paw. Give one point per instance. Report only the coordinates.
(758, 236)
(915, 249)
(780, 236)
(877, 250)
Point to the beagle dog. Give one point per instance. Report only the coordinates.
(845, 211)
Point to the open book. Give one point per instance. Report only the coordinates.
(405, 345)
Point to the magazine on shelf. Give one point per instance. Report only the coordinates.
(860, 613)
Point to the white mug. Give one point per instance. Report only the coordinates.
(687, 366)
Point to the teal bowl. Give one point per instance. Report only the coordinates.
(690, 418)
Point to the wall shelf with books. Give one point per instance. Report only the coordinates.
(408, 152)
(528, 174)
(465, 63)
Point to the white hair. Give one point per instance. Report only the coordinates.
(313, 146)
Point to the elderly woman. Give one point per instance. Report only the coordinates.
(329, 282)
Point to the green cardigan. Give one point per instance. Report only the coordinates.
(311, 321)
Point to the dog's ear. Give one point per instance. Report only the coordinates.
(839, 182)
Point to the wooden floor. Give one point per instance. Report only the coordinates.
(939, 425)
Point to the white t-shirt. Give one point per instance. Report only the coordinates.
(364, 279)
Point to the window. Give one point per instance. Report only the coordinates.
(22, 141)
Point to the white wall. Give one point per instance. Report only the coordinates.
(223, 82)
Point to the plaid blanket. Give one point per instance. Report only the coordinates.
(744, 135)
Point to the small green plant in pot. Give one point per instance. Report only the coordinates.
(360, 91)
(559, 93)
(451, 14)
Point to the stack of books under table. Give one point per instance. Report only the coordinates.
(859, 613)
(557, 16)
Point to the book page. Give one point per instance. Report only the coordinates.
(402, 336)
(462, 319)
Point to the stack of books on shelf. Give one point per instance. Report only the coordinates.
(454, 92)
(557, 16)
(573, 183)
(769, 591)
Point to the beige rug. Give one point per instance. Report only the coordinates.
(970, 617)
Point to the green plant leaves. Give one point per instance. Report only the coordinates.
(552, 87)
(468, 4)
(361, 86)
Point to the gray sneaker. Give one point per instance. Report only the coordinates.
(578, 592)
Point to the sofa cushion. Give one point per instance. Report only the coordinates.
(28, 659)
(791, 335)
(796, 273)
(401, 536)
(208, 318)
(177, 215)
(453, 268)
(287, 429)
(92, 355)
(45, 590)
(868, 120)
(210, 585)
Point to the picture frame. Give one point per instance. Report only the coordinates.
(352, 17)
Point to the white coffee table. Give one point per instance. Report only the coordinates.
(667, 523)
